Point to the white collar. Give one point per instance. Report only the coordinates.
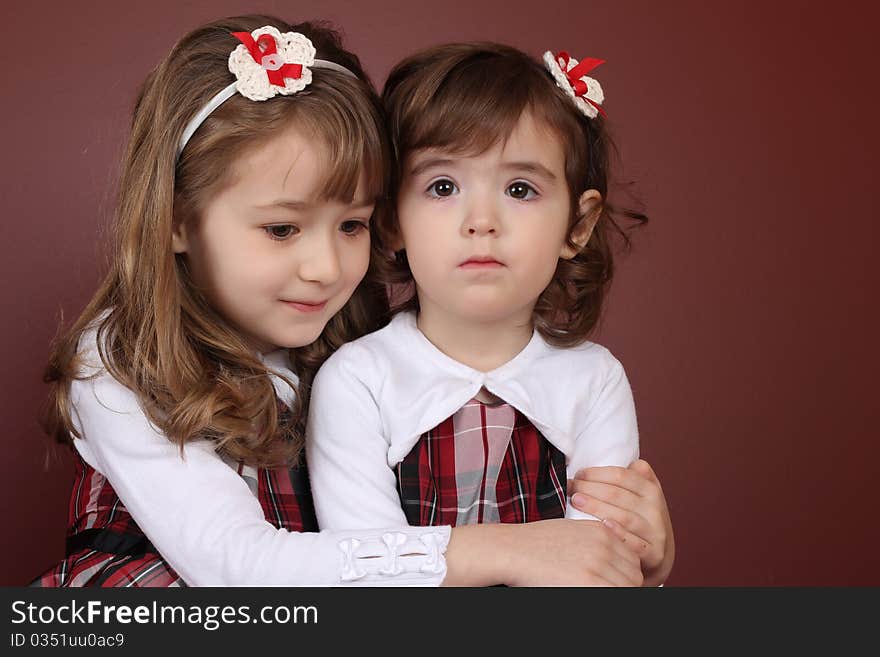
(278, 362)
(417, 386)
(515, 366)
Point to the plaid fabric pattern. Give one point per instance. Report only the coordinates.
(485, 464)
(105, 547)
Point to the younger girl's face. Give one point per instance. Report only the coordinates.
(483, 233)
(273, 257)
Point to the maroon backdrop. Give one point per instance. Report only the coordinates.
(743, 316)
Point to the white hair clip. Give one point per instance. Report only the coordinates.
(266, 63)
(571, 77)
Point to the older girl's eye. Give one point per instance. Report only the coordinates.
(442, 188)
(521, 191)
(281, 231)
(353, 227)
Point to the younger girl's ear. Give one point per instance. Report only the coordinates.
(589, 210)
(179, 241)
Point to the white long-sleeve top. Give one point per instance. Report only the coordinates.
(205, 521)
(375, 397)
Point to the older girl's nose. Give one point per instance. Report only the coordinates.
(320, 261)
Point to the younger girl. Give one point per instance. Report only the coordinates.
(482, 396)
(241, 261)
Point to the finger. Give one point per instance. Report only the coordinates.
(614, 565)
(598, 582)
(608, 493)
(644, 468)
(622, 477)
(625, 567)
(619, 573)
(608, 578)
(607, 556)
(636, 525)
(644, 550)
(645, 517)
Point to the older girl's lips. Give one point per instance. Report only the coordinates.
(307, 306)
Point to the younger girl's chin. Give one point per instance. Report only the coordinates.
(485, 310)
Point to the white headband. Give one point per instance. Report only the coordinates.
(282, 66)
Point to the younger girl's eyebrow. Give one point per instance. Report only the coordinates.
(531, 167)
(430, 163)
(526, 166)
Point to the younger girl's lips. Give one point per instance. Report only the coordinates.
(307, 307)
(481, 263)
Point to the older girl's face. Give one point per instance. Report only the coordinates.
(271, 256)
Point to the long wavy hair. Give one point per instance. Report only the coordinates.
(193, 373)
(464, 98)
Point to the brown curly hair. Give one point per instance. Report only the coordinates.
(193, 373)
(466, 97)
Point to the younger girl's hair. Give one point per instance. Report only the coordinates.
(194, 375)
(464, 98)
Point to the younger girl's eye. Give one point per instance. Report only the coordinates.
(521, 191)
(353, 227)
(281, 231)
(442, 188)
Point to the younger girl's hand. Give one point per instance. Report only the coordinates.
(630, 502)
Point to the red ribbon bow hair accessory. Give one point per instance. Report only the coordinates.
(571, 76)
(267, 63)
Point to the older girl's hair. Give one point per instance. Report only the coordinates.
(464, 98)
(193, 373)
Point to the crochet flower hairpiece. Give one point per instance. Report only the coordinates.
(571, 77)
(266, 63)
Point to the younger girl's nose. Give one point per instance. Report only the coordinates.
(481, 219)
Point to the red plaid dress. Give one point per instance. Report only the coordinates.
(487, 463)
(105, 547)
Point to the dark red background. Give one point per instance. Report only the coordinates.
(746, 316)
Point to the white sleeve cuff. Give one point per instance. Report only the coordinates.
(414, 556)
